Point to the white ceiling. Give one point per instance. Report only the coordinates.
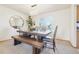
(40, 8)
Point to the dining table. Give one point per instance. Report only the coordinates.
(36, 41)
(38, 35)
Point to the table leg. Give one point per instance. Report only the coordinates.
(16, 42)
(36, 50)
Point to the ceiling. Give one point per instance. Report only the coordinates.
(38, 9)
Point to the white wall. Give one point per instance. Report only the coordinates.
(6, 31)
(66, 21)
(60, 18)
(73, 31)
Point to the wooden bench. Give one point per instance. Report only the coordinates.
(37, 46)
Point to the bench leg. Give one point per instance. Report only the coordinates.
(36, 50)
(16, 42)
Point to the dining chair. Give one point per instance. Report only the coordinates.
(49, 42)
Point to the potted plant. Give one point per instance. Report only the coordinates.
(30, 23)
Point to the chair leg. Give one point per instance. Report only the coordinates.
(54, 49)
(54, 46)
